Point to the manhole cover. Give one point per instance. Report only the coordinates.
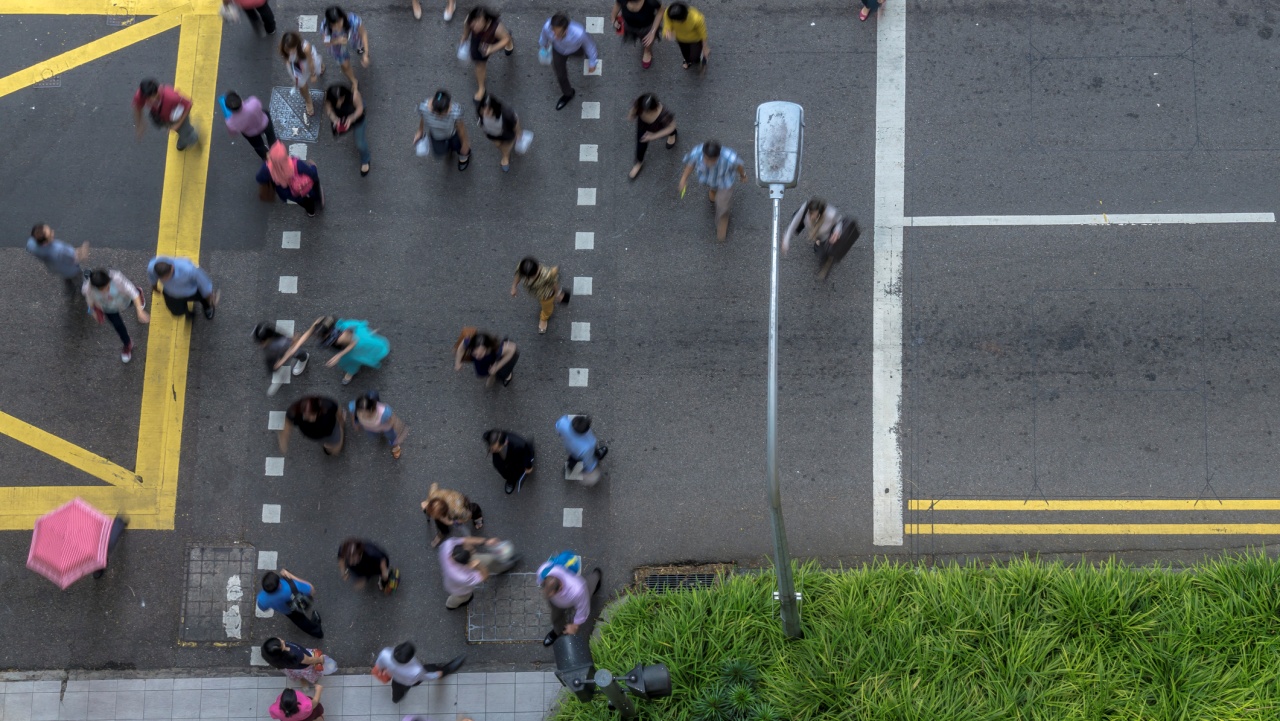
(508, 609)
(217, 594)
(287, 112)
(668, 582)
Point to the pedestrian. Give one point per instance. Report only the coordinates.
(118, 524)
(183, 283)
(259, 14)
(299, 663)
(291, 179)
(449, 508)
(294, 598)
(304, 64)
(250, 120)
(718, 168)
(543, 283)
(501, 125)
(484, 34)
(653, 121)
(401, 667)
(168, 109)
(345, 33)
(58, 257)
(441, 130)
(366, 560)
(493, 359)
(582, 446)
(639, 20)
(279, 349)
(868, 7)
(567, 593)
(464, 565)
(292, 705)
(371, 415)
(108, 294)
(358, 346)
(512, 457)
(318, 418)
(830, 232)
(448, 10)
(562, 39)
(689, 28)
(346, 111)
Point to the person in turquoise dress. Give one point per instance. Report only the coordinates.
(358, 345)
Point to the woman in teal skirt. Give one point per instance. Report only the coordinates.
(358, 346)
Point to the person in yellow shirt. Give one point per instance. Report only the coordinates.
(689, 28)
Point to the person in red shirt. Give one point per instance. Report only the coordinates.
(168, 108)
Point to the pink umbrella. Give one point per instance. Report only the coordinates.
(69, 542)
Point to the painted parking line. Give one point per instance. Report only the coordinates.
(284, 327)
(255, 656)
(1168, 504)
(586, 196)
(586, 67)
(291, 239)
(579, 331)
(308, 23)
(270, 513)
(288, 284)
(1093, 529)
(593, 24)
(298, 150)
(577, 377)
(935, 221)
(268, 560)
(275, 420)
(275, 466)
(588, 153)
(581, 285)
(573, 518)
(584, 241)
(590, 110)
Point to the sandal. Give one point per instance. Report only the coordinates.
(346, 379)
(542, 326)
(635, 170)
(464, 162)
(395, 452)
(866, 13)
(436, 541)
(478, 523)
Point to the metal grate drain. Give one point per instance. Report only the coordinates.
(669, 582)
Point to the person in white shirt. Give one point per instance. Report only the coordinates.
(406, 671)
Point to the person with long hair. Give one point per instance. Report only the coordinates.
(345, 33)
(304, 64)
(639, 20)
(448, 508)
(493, 359)
(293, 706)
(371, 415)
(291, 178)
(501, 125)
(298, 663)
(484, 34)
(653, 121)
(345, 108)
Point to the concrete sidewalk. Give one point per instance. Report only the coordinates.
(524, 696)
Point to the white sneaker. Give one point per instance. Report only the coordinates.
(126, 355)
(448, 15)
(299, 365)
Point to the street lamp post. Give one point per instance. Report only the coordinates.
(779, 143)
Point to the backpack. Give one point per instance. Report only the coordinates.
(299, 602)
(568, 560)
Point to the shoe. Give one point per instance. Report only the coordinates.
(364, 170)
(454, 664)
(507, 381)
(346, 379)
(464, 162)
(126, 355)
(508, 51)
(510, 487)
(209, 311)
(565, 295)
(506, 168)
(448, 15)
(601, 451)
(866, 13)
(300, 365)
(646, 64)
(635, 170)
(98, 573)
(417, 11)
(550, 638)
(564, 100)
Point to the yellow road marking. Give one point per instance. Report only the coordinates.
(67, 452)
(1169, 504)
(1094, 529)
(123, 8)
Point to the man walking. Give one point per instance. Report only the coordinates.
(293, 598)
(184, 283)
(168, 108)
(320, 419)
(401, 666)
(58, 257)
(465, 563)
(718, 168)
(440, 125)
(568, 594)
(565, 39)
(581, 444)
(251, 121)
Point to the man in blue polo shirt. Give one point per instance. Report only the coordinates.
(581, 444)
(184, 282)
(277, 593)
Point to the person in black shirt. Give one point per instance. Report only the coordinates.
(365, 560)
(512, 456)
(319, 418)
(639, 20)
(345, 108)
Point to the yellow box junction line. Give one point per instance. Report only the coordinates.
(1041, 506)
(1169, 504)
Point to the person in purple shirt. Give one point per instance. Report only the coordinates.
(564, 39)
(569, 596)
(277, 591)
(465, 563)
(249, 119)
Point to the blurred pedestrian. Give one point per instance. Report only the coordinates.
(299, 663)
(118, 524)
(183, 283)
(401, 667)
(109, 294)
(278, 350)
(344, 33)
(718, 168)
(492, 359)
(653, 121)
(250, 120)
(512, 457)
(564, 39)
(639, 20)
(484, 34)
(464, 566)
(371, 415)
(448, 508)
(366, 560)
(292, 597)
(583, 447)
(168, 109)
(58, 257)
(689, 28)
(868, 7)
(292, 705)
(304, 64)
(259, 14)
(830, 232)
(543, 283)
(291, 179)
(318, 418)
(501, 125)
(346, 115)
(441, 130)
(358, 346)
(568, 594)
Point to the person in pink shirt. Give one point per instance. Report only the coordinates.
(294, 706)
(259, 14)
(247, 117)
(569, 596)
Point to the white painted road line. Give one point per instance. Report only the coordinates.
(579, 331)
(255, 656)
(268, 560)
(291, 239)
(586, 67)
(593, 24)
(275, 420)
(573, 518)
(285, 327)
(231, 623)
(588, 153)
(574, 473)
(288, 284)
(577, 377)
(586, 196)
(584, 241)
(307, 23)
(581, 285)
(275, 466)
(270, 513)
(590, 110)
(298, 150)
(886, 355)
(934, 221)
(262, 614)
(282, 376)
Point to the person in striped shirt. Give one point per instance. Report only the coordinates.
(718, 168)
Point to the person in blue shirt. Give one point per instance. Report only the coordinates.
(184, 282)
(58, 257)
(581, 444)
(563, 39)
(277, 589)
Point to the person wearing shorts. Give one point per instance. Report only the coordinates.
(440, 123)
(344, 33)
(718, 168)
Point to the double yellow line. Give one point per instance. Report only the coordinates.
(1094, 506)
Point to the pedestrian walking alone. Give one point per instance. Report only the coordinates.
(346, 112)
(108, 294)
(493, 359)
(717, 168)
(58, 257)
(401, 667)
(299, 663)
(292, 705)
(167, 108)
(290, 596)
(183, 283)
(689, 28)
(344, 33)
(304, 65)
(483, 34)
(568, 594)
(582, 446)
(366, 560)
(441, 130)
(290, 179)
(279, 349)
(563, 39)
(543, 283)
(868, 7)
(250, 120)
(447, 508)
(653, 121)
(259, 14)
(501, 125)
(512, 457)
(318, 418)
(118, 525)
(639, 20)
(371, 415)
(830, 232)
(465, 563)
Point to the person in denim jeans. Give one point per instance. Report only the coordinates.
(109, 294)
(346, 114)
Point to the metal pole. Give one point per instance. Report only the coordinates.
(617, 697)
(781, 556)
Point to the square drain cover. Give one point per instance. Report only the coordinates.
(217, 595)
(508, 609)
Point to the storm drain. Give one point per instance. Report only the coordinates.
(288, 111)
(217, 594)
(508, 609)
(671, 582)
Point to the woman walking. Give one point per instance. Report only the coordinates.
(305, 66)
(293, 706)
(291, 178)
(344, 33)
(512, 457)
(543, 283)
(493, 359)
(346, 115)
(689, 28)
(639, 20)
(653, 121)
(484, 34)
(500, 125)
(108, 294)
(358, 346)
(448, 509)
(830, 232)
(371, 415)
(299, 663)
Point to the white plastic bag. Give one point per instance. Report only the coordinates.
(524, 141)
(464, 51)
(422, 148)
(544, 56)
(330, 666)
(230, 13)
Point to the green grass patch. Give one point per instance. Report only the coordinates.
(1023, 640)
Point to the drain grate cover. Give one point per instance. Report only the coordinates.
(508, 609)
(217, 594)
(287, 111)
(669, 582)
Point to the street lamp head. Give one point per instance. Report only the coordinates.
(649, 681)
(574, 665)
(779, 143)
